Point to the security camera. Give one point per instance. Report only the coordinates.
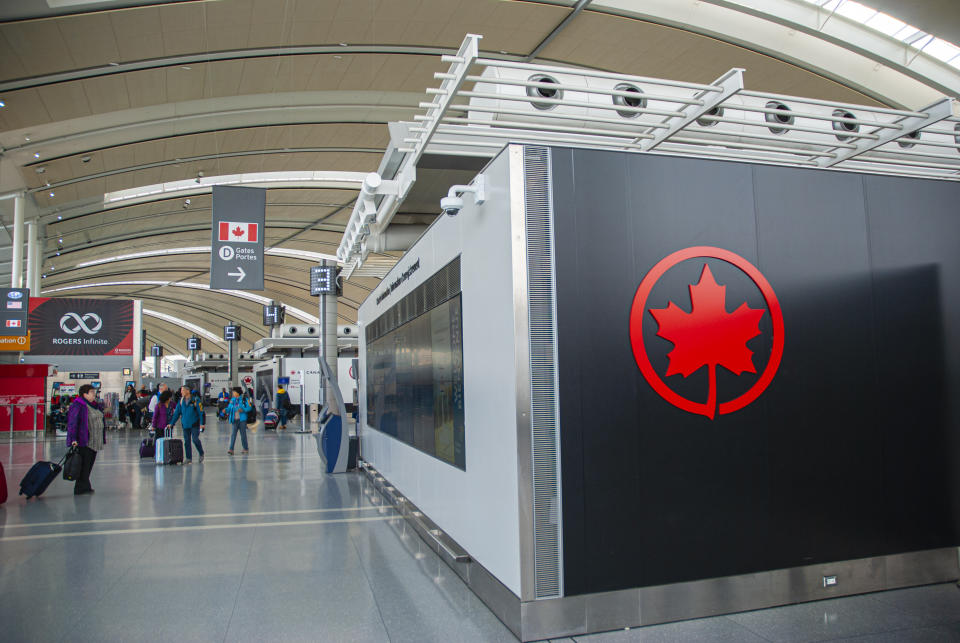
(451, 205)
(453, 202)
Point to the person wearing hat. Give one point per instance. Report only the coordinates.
(283, 403)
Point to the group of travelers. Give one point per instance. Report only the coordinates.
(86, 431)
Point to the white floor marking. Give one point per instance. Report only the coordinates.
(152, 530)
(188, 517)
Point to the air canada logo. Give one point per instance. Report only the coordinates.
(704, 334)
(72, 323)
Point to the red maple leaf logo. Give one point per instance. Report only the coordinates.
(708, 335)
(238, 231)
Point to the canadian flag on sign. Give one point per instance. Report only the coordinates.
(238, 232)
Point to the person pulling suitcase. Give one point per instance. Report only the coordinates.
(85, 430)
(189, 411)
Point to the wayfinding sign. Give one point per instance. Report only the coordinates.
(193, 343)
(14, 311)
(323, 280)
(236, 248)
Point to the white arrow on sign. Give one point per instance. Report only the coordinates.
(240, 274)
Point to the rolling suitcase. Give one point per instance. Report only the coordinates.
(3, 485)
(270, 420)
(147, 448)
(173, 451)
(39, 477)
(168, 450)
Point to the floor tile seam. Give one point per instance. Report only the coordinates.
(243, 576)
(373, 592)
(191, 516)
(127, 532)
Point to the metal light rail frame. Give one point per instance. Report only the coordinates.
(924, 143)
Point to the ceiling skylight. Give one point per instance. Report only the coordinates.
(930, 45)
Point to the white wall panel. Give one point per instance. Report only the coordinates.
(477, 507)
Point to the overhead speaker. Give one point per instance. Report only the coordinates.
(348, 330)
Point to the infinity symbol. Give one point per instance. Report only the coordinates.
(81, 323)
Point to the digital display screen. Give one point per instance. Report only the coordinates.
(156, 351)
(273, 315)
(323, 280)
(193, 343)
(231, 333)
(415, 383)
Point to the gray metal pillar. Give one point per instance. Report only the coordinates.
(156, 367)
(16, 268)
(34, 254)
(328, 331)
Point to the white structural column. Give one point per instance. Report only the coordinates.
(16, 268)
(34, 254)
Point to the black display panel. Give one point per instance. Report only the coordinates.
(273, 315)
(851, 449)
(415, 383)
(231, 333)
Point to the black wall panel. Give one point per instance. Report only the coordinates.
(847, 453)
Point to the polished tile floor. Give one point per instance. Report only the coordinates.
(264, 547)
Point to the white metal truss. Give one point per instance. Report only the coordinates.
(483, 104)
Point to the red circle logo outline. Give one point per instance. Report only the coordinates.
(638, 310)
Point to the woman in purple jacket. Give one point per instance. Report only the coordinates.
(162, 413)
(85, 430)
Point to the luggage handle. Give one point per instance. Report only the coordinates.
(168, 432)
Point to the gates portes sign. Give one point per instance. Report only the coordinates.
(236, 248)
(68, 326)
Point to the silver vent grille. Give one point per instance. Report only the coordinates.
(545, 430)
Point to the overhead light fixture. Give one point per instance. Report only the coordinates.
(186, 67)
(114, 64)
(59, 217)
(41, 170)
(36, 155)
(52, 195)
(2, 104)
(343, 44)
(85, 159)
(26, 138)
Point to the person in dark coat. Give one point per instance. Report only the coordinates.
(85, 430)
(283, 406)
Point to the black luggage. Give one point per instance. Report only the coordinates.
(39, 477)
(172, 451)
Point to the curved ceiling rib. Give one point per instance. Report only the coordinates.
(296, 312)
(199, 330)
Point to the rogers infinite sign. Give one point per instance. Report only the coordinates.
(66, 326)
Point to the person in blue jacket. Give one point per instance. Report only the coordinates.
(237, 416)
(189, 411)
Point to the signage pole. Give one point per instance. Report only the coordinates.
(232, 362)
(322, 351)
(156, 368)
